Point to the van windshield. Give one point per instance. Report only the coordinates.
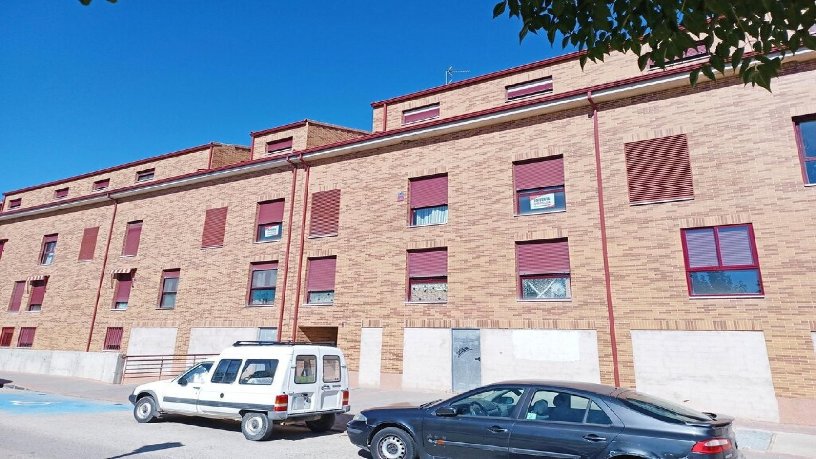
(661, 409)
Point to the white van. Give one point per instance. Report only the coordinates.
(260, 382)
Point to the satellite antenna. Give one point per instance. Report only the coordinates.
(450, 72)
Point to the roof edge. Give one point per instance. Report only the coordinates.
(303, 122)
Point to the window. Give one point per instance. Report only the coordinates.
(325, 213)
(88, 245)
(659, 170)
(544, 269)
(331, 369)
(133, 234)
(113, 339)
(258, 372)
(663, 410)
(2, 246)
(539, 185)
(61, 193)
(269, 224)
(429, 200)
(695, 52)
(806, 139)
(121, 296)
(5, 336)
(428, 276)
(263, 278)
(49, 249)
(15, 203)
(415, 115)
(100, 185)
(35, 300)
(17, 296)
(722, 260)
(529, 88)
(169, 288)
(215, 225)
(493, 403)
(145, 175)
(26, 338)
(550, 405)
(226, 371)
(320, 280)
(197, 374)
(305, 369)
(279, 146)
(268, 334)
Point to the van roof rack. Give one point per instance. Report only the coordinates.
(284, 343)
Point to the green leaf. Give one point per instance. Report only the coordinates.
(736, 57)
(707, 71)
(643, 61)
(498, 10)
(694, 76)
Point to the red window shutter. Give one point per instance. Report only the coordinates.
(736, 248)
(325, 213)
(701, 247)
(264, 266)
(171, 273)
(419, 114)
(542, 257)
(540, 173)
(50, 238)
(88, 245)
(428, 263)
(529, 88)
(133, 235)
(658, 169)
(61, 193)
(5, 336)
(26, 338)
(270, 212)
(101, 184)
(113, 338)
(429, 191)
(215, 224)
(321, 274)
(17, 296)
(37, 292)
(123, 286)
(15, 203)
(279, 145)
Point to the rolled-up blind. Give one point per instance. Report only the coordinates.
(321, 274)
(215, 224)
(540, 173)
(37, 291)
(658, 169)
(428, 263)
(270, 212)
(429, 191)
(543, 257)
(133, 234)
(701, 248)
(88, 245)
(279, 145)
(325, 213)
(735, 246)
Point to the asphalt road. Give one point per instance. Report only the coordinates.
(50, 426)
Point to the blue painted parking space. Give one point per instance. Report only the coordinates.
(32, 403)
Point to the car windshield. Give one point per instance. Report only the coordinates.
(662, 409)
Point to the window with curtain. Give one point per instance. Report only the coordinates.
(429, 200)
(262, 283)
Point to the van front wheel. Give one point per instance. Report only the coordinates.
(324, 424)
(256, 426)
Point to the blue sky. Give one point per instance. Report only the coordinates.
(83, 88)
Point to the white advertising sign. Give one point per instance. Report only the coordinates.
(545, 201)
(271, 231)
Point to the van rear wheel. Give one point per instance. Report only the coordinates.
(324, 424)
(256, 426)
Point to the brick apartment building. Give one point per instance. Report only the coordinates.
(605, 225)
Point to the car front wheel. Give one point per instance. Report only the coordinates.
(145, 409)
(392, 443)
(256, 426)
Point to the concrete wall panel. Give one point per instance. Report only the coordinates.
(370, 356)
(427, 359)
(214, 340)
(152, 341)
(102, 366)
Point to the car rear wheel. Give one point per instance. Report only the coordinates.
(324, 424)
(392, 443)
(145, 409)
(256, 426)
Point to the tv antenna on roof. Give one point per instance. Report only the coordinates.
(450, 72)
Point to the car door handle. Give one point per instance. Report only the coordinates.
(593, 437)
(497, 429)
(326, 387)
(196, 387)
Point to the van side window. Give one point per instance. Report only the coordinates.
(331, 368)
(258, 372)
(226, 371)
(305, 369)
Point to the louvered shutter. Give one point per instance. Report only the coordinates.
(17, 296)
(88, 245)
(735, 246)
(701, 248)
(26, 338)
(325, 219)
(429, 191)
(215, 224)
(133, 235)
(529, 88)
(542, 257)
(540, 173)
(279, 145)
(5, 336)
(658, 169)
(37, 292)
(270, 212)
(428, 263)
(421, 113)
(113, 338)
(321, 274)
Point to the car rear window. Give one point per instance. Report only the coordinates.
(661, 409)
(258, 372)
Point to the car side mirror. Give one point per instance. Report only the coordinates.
(446, 411)
(182, 381)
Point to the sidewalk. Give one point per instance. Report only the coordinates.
(758, 440)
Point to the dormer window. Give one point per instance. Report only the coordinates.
(145, 175)
(529, 88)
(693, 53)
(415, 115)
(15, 203)
(279, 146)
(62, 193)
(100, 185)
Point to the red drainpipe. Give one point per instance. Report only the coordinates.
(288, 245)
(604, 251)
(385, 117)
(102, 274)
(302, 240)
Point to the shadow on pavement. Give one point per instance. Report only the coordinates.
(280, 432)
(4, 382)
(150, 448)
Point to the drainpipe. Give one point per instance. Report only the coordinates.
(307, 168)
(385, 117)
(288, 245)
(102, 274)
(607, 282)
(209, 163)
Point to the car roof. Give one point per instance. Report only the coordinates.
(266, 351)
(601, 389)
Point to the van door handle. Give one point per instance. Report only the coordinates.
(196, 387)
(326, 387)
(594, 438)
(497, 429)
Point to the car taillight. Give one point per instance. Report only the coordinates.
(712, 446)
(345, 398)
(281, 402)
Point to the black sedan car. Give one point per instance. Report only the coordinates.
(527, 419)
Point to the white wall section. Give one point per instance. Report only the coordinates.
(152, 341)
(370, 356)
(214, 340)
(426, 361)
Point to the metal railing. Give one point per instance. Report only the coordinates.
(159, 366)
